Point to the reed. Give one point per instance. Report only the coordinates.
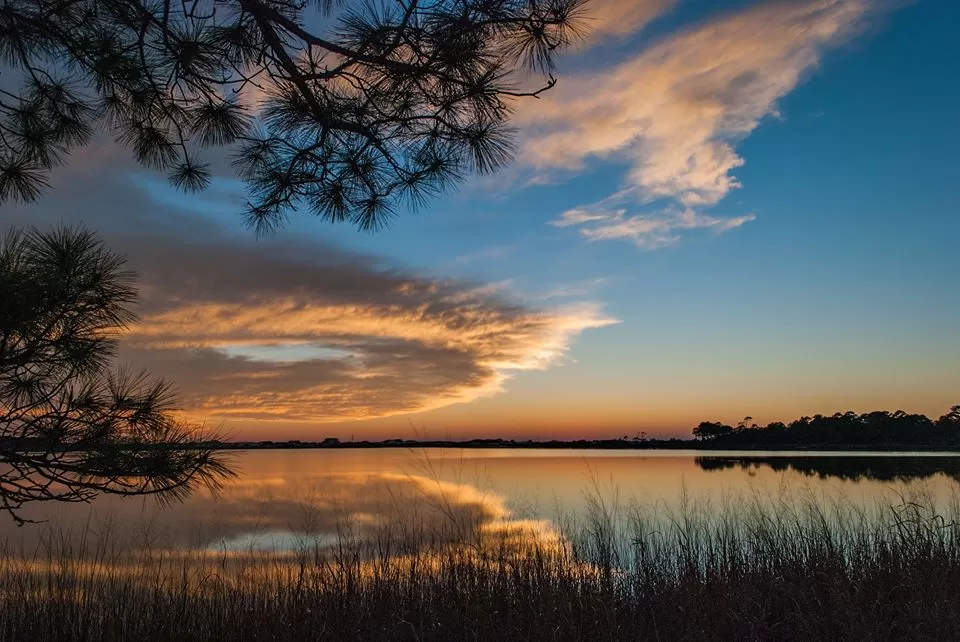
(797, 568)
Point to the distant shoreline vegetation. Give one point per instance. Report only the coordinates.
(849, 431)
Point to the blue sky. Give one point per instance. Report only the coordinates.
(732, 208)
(847, 275)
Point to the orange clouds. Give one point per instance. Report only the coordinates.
(250, 336)
(675, 111)
(622, 17)
(297, 510)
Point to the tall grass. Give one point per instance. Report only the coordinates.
(751, 568)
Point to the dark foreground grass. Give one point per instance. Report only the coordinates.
(749, 571)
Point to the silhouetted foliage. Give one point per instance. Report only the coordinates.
(841, 429)
(366, 106)
(708, 430)
(69, 428)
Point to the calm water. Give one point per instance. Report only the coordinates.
(286, 499)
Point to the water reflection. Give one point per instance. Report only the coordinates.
(404, 511)
(849, 467)
(286, 502)
(327, 542)
(288, 515)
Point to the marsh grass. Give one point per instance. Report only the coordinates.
(787, 567)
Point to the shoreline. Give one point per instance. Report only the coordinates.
(603, 444)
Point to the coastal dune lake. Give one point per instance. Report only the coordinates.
(283, 501)
(497, 544)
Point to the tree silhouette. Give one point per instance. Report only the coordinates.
(709, 431)
(69, 428)
(847, 428)
(366, 107)
(952, 418)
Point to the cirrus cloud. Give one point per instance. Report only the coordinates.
(646, 231)
(622, 17)
(675, 111)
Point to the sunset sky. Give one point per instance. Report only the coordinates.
(722, 209)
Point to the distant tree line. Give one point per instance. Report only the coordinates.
(846, 428)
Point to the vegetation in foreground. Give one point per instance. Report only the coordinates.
(70, 428)
(754, 569)
(352, 111)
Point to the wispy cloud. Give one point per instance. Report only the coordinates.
(300, 329)
(648, 231)
(576, 289)
(675, 112)
(486, 254)
(372, 341)
(622, 17)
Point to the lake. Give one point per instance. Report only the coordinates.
(284, 500)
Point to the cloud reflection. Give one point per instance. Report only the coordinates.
(376, 514)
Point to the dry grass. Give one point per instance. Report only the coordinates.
(751, 569)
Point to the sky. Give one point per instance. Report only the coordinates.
(722, 209)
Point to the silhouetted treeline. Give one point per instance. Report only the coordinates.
(624, 443)
(842, 429)
(851, 467)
